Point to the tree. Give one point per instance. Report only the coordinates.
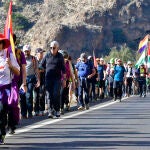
(124, 53)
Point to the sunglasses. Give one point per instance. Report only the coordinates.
(53, 48)
(1, 42)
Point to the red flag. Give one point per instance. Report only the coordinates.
(8, 31)
(94, 58)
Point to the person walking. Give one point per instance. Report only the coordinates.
(85, 72)
(55, 77)
(119, 78)
(142, 72)
(39, 92)
(17, 83)
(8, 67)
(129, 79)
(69, 79)
(32, 80)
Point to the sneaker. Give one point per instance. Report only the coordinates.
(62, 111)
(57, 114)
(12, 131)
(87, 106)
(114, 98)
(119, 99)
(51, 113)
(81, 108)
(30, 116)
(2, 139)
(41, 113)
(144, 95)
(36, 113)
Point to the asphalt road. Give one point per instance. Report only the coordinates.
(105, 126)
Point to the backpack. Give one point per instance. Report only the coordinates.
(18, 56)
(68, 71)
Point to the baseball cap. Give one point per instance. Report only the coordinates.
(119, 60)
(83, 56)
(26, 48)
(39, 50)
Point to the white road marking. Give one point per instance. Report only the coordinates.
(41, 123)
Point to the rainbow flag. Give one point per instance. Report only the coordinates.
(8, 30)
(143, 44)
(142, 59)
(148, 55)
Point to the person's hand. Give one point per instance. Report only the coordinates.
(24, 87)
(73, 86)
(37, 84)
(89, 76)
(63, 83)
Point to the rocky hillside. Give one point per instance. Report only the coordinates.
(86, 25)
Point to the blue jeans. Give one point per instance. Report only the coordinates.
(84, 85)
(26, 100)
(53, 87)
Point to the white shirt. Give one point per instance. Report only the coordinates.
(129, 72)
(5, 74)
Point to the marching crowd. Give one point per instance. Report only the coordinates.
(32, 85)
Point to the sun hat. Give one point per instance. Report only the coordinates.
(6, 41)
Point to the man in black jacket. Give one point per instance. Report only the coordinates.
(55, 77)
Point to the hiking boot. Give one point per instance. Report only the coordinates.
(2, 139)
(87, 106)
(57, 114)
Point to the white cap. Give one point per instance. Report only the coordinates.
(129, 62)
(101, 59)
(26, 48)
